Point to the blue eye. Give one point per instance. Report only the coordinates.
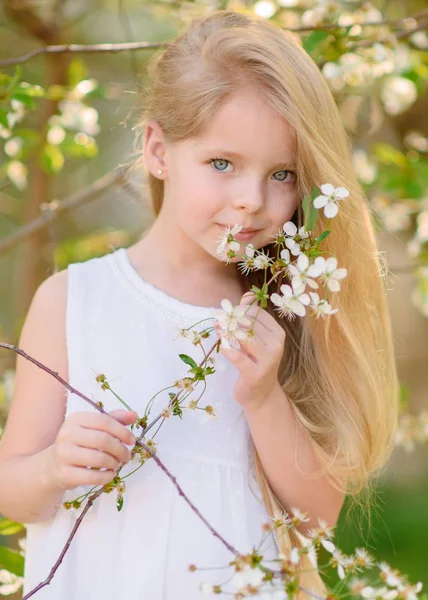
(218, 160)
(224, 160)
(285, 171)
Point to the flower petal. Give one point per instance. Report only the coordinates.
(341, 192)
(333, 285)
(327, 189)
(226, 305)
(320, 201)
(290, 228)
(340, 273)
(331, 210)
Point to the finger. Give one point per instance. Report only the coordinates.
(239, 358)
(101, 440)
(261, 316)
(86, 457)
(258, 339)
(127, 417)
(76, 476)
(103, 422)
(248, 297)
(254, 344)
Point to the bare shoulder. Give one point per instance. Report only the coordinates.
(38, 406)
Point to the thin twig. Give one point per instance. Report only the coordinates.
(134, 46)
(76, 526)
(53, 373)
(93, 497)
(58, 207)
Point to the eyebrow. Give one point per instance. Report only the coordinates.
(223, 152)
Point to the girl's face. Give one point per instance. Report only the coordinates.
(239, 171)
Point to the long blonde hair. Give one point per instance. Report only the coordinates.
(339, 373)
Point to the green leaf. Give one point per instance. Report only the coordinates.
(310, 213)
(13, 81)
(52, 159)
(313, 40)
(3, 118)
(119, 503)
(24, 98)
(8, 527)
(12, 561)
(389, 155)
(77, 71)
(322, 237)
(188, 360)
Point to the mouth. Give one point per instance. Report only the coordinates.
(244, 235)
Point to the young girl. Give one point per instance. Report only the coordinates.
(238, 126)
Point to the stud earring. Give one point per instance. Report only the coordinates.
(160, 171)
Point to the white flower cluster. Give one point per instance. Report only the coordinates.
(411, 430)
(250, 580)
(293, 299)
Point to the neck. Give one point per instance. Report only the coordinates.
(171, 249)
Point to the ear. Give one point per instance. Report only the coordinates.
(154, 149)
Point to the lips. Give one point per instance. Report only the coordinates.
(246, 230)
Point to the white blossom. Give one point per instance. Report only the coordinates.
(363, 558)
(293, 299)
(17, 173)
(305, 272)
(398, 94)
(247, 262)
(320, 306)
(408, 591)
(224, 245)
(9, 582)
(389, 576)
(285, 255)
(209, 413)
(262, 261)
(247, 576)
(230, 319)
(329, 199)
(331, 274)
(264, 8)
(290, 231)
(206, 588)
(299, 516)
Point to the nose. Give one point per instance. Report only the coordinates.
(251, 197)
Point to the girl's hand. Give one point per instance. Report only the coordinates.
(90, 439)
(258, 357)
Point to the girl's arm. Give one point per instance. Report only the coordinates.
(27, 494)
(38, 408)
(276, 434)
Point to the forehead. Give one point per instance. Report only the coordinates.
(248, 126)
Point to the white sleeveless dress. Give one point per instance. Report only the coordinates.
(124, 327)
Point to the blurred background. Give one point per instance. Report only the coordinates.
(66, 134)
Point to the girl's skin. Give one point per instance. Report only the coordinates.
(40, 457)
(255, 190)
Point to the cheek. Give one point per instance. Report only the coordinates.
(198, 211)
(282, 210)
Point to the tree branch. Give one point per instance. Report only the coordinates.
(58, 207)
(133, 46)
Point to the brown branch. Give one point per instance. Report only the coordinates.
(78, 522)
(78, 48)
(59, 207)
(95, 495)
(399, 36)
(133, 46)
(192, 506)
(53, 373)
